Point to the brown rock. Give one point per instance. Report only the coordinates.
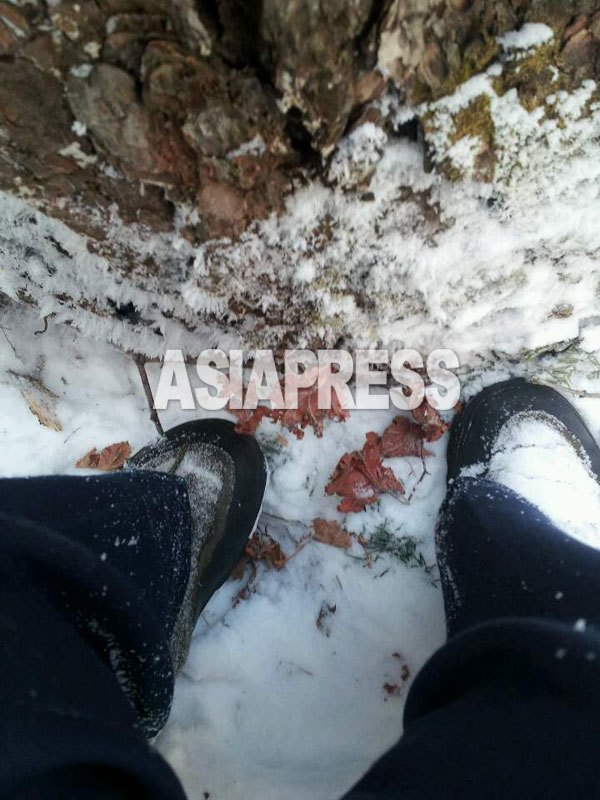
(577, 25)
(14, 29)
(224, 208)
(110, 7)
(224, 104)
(42, 52)
(190, 26)
(369, 85)
(580, 53)
(128, 36)
(147, 147)
(433, 68)
(595, 25)
(34, 118)
(314, 60)
(176, 83)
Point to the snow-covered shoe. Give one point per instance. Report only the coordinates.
(523, 503)
(475, 434)
(226, 476)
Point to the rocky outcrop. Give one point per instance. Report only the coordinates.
(132, 119)
(149, 104)
(428, 48)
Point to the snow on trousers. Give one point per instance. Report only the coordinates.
(92, 574)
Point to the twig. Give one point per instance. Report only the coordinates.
(139, 362)
(10, 344)
(559, 386)
(368, 558)
(72, 434)
(301, 545)
(45, 328)
(425, 472)
(302, 669)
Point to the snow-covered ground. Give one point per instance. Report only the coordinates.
(270, 704)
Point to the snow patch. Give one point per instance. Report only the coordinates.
(532, 34)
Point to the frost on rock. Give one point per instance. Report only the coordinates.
(158, 194)
(354, 161)
(486, 128)
(529, 36)
(415, 258)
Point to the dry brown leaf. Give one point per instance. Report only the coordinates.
(331, 533)
(108, 459)
(323, 620)
(39, 398)
(403, 438)
(430, 421)
(262, 547)
(42, 411)
(360, 477)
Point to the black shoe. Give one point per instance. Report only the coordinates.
(226, 477)
(499, 555)
(475, 431)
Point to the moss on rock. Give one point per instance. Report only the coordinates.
(476, 131)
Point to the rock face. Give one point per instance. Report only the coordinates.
(218, 106)
(428, 47)
(193, 119)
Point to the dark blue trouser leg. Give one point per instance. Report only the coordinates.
(92, 572)
(509, 708)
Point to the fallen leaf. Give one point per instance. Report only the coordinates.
(351, 484)
(108, 459)
(39, 398)
(360, 477)
(403, 438)
(262, 547)
(331, 533)
(248, 421)
(404, 669)
(395, 687)
(296, 420)
(430, 421)
(309, 415)
(43, 412)
(382, 478)
(326, 611)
